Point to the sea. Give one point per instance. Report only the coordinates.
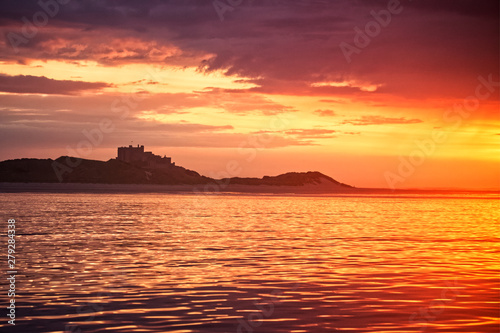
(228, 262)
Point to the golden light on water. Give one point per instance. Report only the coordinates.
(317, 262)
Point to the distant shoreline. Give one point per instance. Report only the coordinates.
(210, 189)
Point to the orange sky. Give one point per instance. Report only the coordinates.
(269, 87)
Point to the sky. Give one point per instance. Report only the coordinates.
(392, 94)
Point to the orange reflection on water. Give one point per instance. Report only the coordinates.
(158, 263)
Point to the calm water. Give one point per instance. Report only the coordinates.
(227, 263)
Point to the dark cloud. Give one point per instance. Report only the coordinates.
(484, 9)
(58, 121)
(45, 130)
(88, 108)
(28, 84)
(432, 48)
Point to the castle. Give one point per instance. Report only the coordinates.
(137, 156)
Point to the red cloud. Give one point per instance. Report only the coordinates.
(325, 113)
(28, 84)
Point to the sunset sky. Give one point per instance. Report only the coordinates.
(373, 93)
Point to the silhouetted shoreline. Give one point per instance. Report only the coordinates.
(66, 169)
(231, 189)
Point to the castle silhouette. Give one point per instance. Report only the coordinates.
(137, 156)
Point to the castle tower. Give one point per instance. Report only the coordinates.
(137, 156)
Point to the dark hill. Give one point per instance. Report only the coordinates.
(67, 169)
(288, 179)
(76, 170)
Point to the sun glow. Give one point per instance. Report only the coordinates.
(128, 78)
